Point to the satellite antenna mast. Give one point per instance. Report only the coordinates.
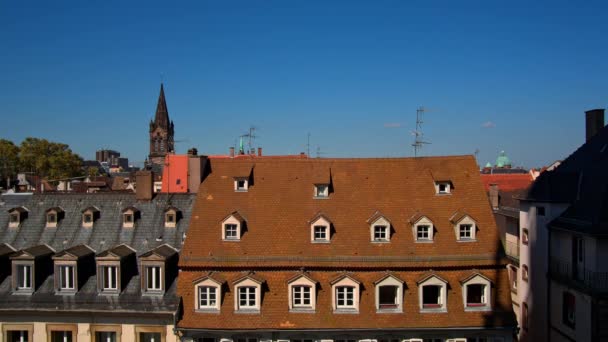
(418, 135)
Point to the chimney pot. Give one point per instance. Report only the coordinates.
(594, 122)
(232, 152)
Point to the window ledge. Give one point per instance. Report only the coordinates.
(207, 311)
(424, 241)
(346, 311)
(433, 310)
(231, 240)
(241, 190)
(389, 311)
(23, 292)
(109, 293)
(247, 311)
(152, 293)
(302, 310)
(320, 197)
(467, 240)
(477, 308)
(443, 194)
(320, 241)
(381, 241)
(65, 292)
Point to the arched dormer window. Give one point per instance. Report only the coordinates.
(465, 227)
(379, 228)
(232, 227)
(423, 228)
(477, 292)
(320, 229)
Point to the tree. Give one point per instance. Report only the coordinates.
(9, 159)
(49, 159)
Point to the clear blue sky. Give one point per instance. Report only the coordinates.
(495, 75)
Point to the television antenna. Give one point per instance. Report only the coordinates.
(418, 135)
(319, 152)
(251, 136)
(308, 145)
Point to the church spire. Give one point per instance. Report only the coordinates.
(162, 114)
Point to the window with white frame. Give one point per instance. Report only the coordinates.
(109, 278)
(128, 218)
(422, 228)
(345, 294)
(320, 230)
(302, 293)
(380, 228)
(171, 218)
(465, 229)
(432, 294)
(231, 231)
(24, 277)
(389, 294)
(208, 294)
(154, 280)
(66, 278)
(476, 291)
(247, 297)
(231, 227)
(241, 184)
(423, 232)
(321, 190)
(443, 187)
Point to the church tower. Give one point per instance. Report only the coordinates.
(161, 132)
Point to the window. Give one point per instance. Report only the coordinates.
(476, 292)
(247, 297)
(443, 187)
(149, 337)
(88, 218)
(14, 218)
(105, 336)
(389, 294)
(320, 233)
(150, 333)
(24, 277)
(345, 297)
(109, 278)
(524, 236)
(569, 310)
(476, 295)
(301, 296)
(513, 277)
(466, 231)
(231, 232)
(61, 336)
(66, 278)
(540, 211)
(524, 272)
(106, 333)
(128, 218)
(171, 218)
(321, 190)
(207, 297)
(18, 336)
(387, 297)
(423, 232)
(432, 294)
(153, 278)
(381, 233)
(51, 218)
(241, 184)
(524, 316)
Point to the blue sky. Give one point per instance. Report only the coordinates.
(493, 75)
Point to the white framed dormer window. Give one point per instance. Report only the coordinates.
(241, 184)
(302, 293)
(321, 191)
(108, 279)
(465, 229)
(208, 294)
(153, 278)
(171, 217)
(380, 228)
(389, 294)
(345, 295)
(25, 277)
(231, 227)
(423, 229)
(67, 281)
(476, 293)
(248, 294)
(320, 229)
(432, 294)
(443, 187)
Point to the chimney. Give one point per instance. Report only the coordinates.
(144, 185)
(232, 152)
(259, 151)
(193, 152)
(493, 194)
(594, 120)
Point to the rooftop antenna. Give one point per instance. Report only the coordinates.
(308, 145)
(319, 153)
(251, 136)
(418, 135)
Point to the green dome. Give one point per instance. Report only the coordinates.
(503, 160)
(488, 164)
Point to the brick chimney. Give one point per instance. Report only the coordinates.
(259, 151)
(232, 152)
(493, 194)
(144, 185)
(594, 122)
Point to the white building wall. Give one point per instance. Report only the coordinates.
(582, 328)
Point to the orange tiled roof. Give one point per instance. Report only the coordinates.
(507, 182)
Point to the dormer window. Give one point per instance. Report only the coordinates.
(113, 269)
(345, 295)
(129, 215)
(53, 215)
(321, 191)
(241, 184)
(232, 227)
(248, 296)
(302, 293)
(209, 293)
(443, 187)
(476, 293)
(320, 229)
(24, 277)
(380, 228)
(89, 215)
(30, 268)
(171, 217)
(422, 228)
(432, 294)
(156, 265)
(389, 294)
(16, 216)
(465, 227)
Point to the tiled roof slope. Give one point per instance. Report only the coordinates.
(582, 181)
(279, 205)
(107, 232)
(507, 182)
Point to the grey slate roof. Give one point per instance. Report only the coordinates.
(148, 233)
(77, 251)
(582, 181)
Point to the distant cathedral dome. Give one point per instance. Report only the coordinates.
(503, 160)
(489, 165)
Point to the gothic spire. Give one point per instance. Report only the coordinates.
(162, 114)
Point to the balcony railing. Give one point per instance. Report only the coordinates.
(592, 280)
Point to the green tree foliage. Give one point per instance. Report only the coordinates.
(9, 159)
(49, 159)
